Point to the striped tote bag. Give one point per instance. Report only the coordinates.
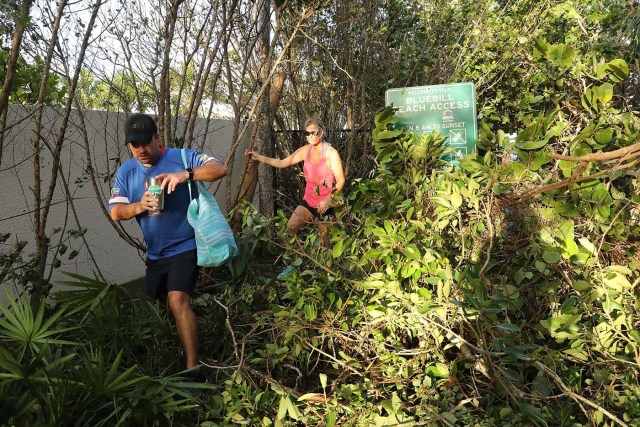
(214, 239)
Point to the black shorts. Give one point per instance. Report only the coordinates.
(175, 273)
(314, 211)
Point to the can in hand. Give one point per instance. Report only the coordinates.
(153, 186)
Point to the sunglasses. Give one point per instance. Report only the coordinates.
(312, 133)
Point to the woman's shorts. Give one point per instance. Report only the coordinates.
(314, 211)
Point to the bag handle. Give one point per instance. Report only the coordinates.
(201, 187)
(184, 161)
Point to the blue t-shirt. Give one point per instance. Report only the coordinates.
(170, 233)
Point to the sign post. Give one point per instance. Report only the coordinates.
(449, 109)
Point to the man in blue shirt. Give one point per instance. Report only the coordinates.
(172, 269)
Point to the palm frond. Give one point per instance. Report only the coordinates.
(18, 325)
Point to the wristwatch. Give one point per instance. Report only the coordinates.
(190, 171)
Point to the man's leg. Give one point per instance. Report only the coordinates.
(186, 324)
(181, 281)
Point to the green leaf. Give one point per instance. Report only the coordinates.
(570, 247)
(621, 269)
(310, 312)
(338, 248)
(541, 45)
(604, 92)
(597, 95)
(580, 285)
(540, 159)
(386, 115)
(617, 282)
(509, 327)
(551, 256)
(323, 380)
(387, 134)
(456, 200)
(531, 145)
(533, 413)
(330, 419)
(588, 101)
(561, 55)
(610, 306)
(541, 385)
(282, 408)
(565, 209)
(388, 406)
(511, 375)
(618, 70)
(603, 136)
(566, 167)
(374, 312)
(580, 259)
(587, 245)
(238, 418)
(439, 370)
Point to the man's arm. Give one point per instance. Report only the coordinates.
(210, 171)
(124, 211)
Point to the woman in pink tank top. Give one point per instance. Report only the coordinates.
(323, 175)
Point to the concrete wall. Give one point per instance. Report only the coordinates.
(118, 261)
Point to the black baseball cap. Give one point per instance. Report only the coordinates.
(139, 128)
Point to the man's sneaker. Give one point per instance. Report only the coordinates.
(287, 271)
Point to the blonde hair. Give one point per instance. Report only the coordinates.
(319, 124)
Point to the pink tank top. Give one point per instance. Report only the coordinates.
(319, 178)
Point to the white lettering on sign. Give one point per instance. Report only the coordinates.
(453, 125)
(428, 98)
(412, 108)
(449, 105)
(417, 104)
(429, 89)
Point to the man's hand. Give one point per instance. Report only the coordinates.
(171, 180)
(148, 202)
(125, 211)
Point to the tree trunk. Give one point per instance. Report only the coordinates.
(41, 215)
(42, 240)
(164, 97)
(16, 43)
(12, 63)
(264, 143)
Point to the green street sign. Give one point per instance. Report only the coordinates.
(449, 109)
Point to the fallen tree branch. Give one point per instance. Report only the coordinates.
(567, 182)
(626, 152)
(575, 396)
(556, 379)
(623, 158)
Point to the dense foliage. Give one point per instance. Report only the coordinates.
(97, 358)
(28, 77)
(500, 293)
(503, 292)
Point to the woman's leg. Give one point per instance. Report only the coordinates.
(300, 218)
(323, 233)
